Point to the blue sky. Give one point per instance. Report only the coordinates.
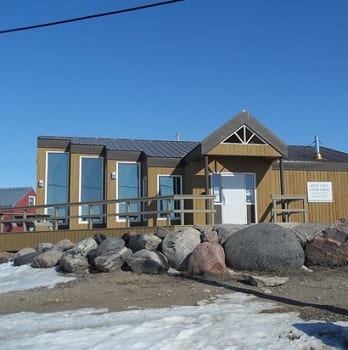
(186, 67)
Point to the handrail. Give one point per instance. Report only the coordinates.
(285, 211)
(169, 211)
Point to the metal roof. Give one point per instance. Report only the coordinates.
(179, 149)
(151, 148)
(9, 197)
(307, 153)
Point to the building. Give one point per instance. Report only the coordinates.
(12, 198)
(253, 175)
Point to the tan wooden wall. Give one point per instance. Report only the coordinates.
(296, 183)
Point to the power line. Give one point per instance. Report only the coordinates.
(76, 19)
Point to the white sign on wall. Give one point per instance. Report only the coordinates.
(319, 191)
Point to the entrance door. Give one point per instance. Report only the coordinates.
(238, 200)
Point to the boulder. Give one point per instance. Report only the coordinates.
(74, 263)
(42, 247)
(306, 231)
(64, 244)
(107, 246)
(341, 225)
(100, 237)
(49, 258)
(112, 261)
(161, 232)
(207, 258)
(328, 248)
(148, 261)
(5, 257)
(263, 247)
(24, 251)
(113, 244)
(226, 230)
(209, 235)
(177, 246)
(25, 259)
(84, 246)
(143, 241)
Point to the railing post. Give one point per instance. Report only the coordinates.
(168, 212)
(24, 218)
(90, 220)
(182, 214)
(56, 213)
(127, 213)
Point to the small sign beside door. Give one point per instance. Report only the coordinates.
(319, 191)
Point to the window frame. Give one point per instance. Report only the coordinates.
(118, 217)
(163, 216)
(81, 220)
(63, 221)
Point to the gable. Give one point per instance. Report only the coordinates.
(243, 135)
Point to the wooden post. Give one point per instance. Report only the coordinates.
(127, 213)
(182, 220)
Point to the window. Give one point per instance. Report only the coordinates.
(31, 201)
(91, 186)
(57, 182)
(128, 187)
(216, 187)
(169, 185)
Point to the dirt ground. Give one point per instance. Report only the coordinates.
(321, 294)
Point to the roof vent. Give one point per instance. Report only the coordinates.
(317, 155)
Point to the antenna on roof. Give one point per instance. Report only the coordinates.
(177, 136)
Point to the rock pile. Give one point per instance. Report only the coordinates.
(264, 247)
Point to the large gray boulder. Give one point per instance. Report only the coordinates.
(207, 258)
(25, 259)
(74, 262)
(112, 261)
(84, 246)
(48, 258)
(263, 247)
(177, 246)
(106, 247)
(148, 261)
(113, 244)
(143, 241)
(224, 231)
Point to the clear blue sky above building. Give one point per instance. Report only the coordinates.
(182, 68)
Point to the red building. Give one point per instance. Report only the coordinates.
(12, 198)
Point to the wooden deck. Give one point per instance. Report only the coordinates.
(15, 241)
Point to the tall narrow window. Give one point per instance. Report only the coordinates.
(91, 187)
(57, 183)
(128, 178)
(169, 185)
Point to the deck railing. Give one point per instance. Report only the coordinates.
(169, 208)
(285, 210)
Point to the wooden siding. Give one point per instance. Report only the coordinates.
(244, 150)
(267, 180)
(16, 241)
(296, 183)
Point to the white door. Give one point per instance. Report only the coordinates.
(233, 192)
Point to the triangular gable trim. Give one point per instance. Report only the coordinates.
(244, 136)
(233, 125)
